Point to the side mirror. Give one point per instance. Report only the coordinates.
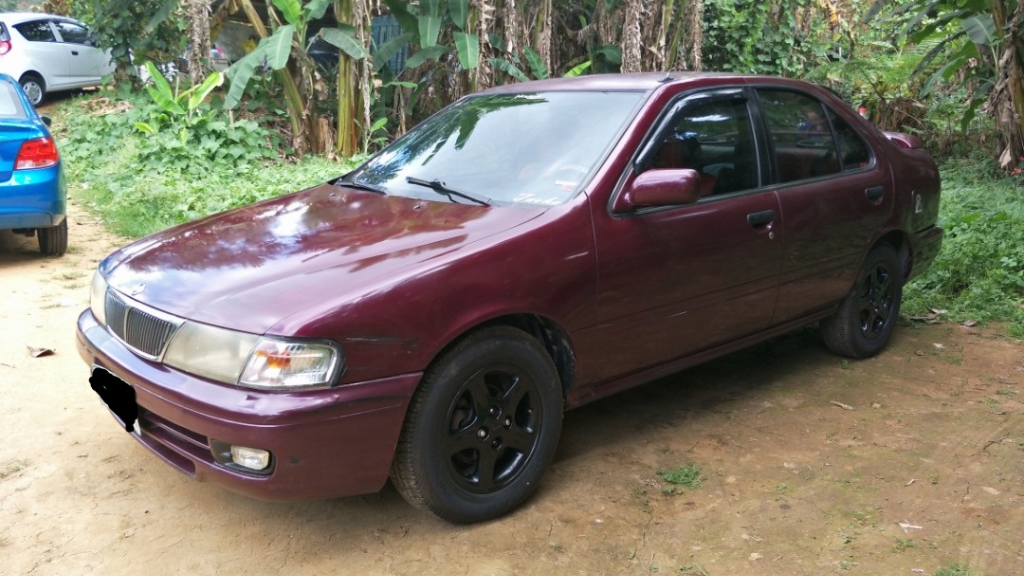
(46, 120)
(663, 187)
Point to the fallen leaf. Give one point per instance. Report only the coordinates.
(991, 491)
(876, 405)
(841, 405)
(917, 570)
(754, 556)
(919, 353)
(939, 310)
(40, 352)
(939, 346)
(911, 482)
(908, 526)
(970, 323)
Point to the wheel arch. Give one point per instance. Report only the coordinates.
(899, 241)
(35, 74)
(551, 336)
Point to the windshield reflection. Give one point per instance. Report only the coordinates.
(530, 148)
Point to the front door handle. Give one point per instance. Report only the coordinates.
(874, 193)
(74, 52)
(759, 219)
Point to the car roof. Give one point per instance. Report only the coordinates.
(641, 82)
(19, 17)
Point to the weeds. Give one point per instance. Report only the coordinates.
(979, 273)
(13, 467)
(687, 476)
(954, 570)
(903, 544)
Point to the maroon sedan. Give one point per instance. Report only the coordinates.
(430, 315)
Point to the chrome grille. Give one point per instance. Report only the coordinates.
(147, 333)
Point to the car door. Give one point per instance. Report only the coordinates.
(835, 194)
(676, 280)
(87, 63)
(43, 52)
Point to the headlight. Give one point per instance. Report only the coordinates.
(210, 352)
(250, 360)
(98, 298)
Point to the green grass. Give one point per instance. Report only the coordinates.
(687, 476)
(954, 570)
(979, 274)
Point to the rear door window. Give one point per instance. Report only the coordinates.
(36, 31)
(801, 135)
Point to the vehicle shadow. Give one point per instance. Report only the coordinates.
(16, 249)
(689, 395)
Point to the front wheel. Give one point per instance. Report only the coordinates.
(481, 429)
(866, 318)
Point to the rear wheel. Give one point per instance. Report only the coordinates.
(34, 88)
(866, 318)
(53, 241)
(481, 429)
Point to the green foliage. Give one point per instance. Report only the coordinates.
(979, 273)
(139, 28)
(687, 476)
(784, 37)
(140, 183)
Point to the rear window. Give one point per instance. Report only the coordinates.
(36, 31)
(10, 103)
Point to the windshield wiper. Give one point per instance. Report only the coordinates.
(359, 186)
(441, 188)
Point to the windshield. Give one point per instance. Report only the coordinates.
(529, 148)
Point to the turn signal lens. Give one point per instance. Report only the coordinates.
(37, 153)
(290, 364)
(5, 47)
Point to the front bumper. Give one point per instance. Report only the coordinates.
(325, 443)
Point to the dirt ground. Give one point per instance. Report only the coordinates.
(922, 468)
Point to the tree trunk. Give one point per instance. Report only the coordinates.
(1007, 100)
(297, 114)
(198, 14)
(631, 42)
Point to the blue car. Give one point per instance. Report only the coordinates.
(33, 193)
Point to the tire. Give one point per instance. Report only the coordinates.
(481, 429)
(34, 88)
(53, 241)
(862, 325)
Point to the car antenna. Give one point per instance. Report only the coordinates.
(668, 78)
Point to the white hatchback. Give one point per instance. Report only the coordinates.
(48, 53)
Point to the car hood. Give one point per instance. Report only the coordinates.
(250, 268)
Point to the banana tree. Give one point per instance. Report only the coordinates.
(966, 33)
(284, 52)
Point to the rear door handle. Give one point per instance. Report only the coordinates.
(874, 193)
(759, 219)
